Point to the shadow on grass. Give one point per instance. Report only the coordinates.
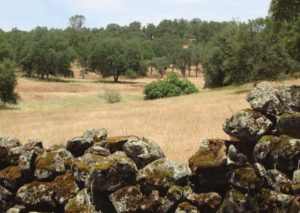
(241, 91)
(8, 107)
(119, 82)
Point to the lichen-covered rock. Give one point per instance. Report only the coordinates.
(211, 154)
(248, 125)
(290, 97)
(206, 202)
(260, 170)
(91, 159)
(9, 143)
(112, 173)
(37, 196)
(51, 164)
(65, 188)
(127, 199)
(264, 98)
(142, 151)
(27, 162)
(236, 201)
(17, 209)
(279, 182)
(155, 203)
(246, 179)
(234, 158)
(95, 135)
(82, 202)
(4, 152)
(186, 207)
(178, 193)
(5, 199)
(281, 152)
(270, 201)
(116, 143)
(289, 124)
(80, 170)
(164, 173)
(11, 178)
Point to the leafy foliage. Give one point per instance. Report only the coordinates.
(8, 82)
(112, 97)
(170, 87)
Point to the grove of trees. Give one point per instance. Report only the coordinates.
(230, 52)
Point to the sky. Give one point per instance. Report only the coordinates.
(28, 14)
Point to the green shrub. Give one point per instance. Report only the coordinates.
(130, 74)
(170, 87)
(112, 97)
(8, 82)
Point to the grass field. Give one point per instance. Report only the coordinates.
(58, 111)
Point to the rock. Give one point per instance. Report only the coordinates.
(112, 173)
(80, 171)
(206, 202)
(65, 188)
(5, 199)
(264, 98)
(271, 201)
(11, 178)
(260, 170)
(211, 154)
(248, 125)
(279, 181)
(55, 147)
(209, 168)
(289, 124)
(115, 144)
(82, 202)
(246, 179)
(290, 97)
(127, 199)
(98, 150)
(164, 173)
(186, 207)
(91, 159)
(17, 209)
(9, 143)
(37, 196)
(34, 144)
(178, 193)
(236, 201)
(296, 176)
(51, 164)
(27, 162)
(295, 205)
(4, 152)
(155, 203)
(77, 146)
(142, 151)
(281, 153)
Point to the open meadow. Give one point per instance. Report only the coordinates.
(58, 110)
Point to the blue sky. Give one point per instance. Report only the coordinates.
(27, 14)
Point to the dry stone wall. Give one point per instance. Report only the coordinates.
(257, 170)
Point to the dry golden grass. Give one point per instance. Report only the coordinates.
(56, 112)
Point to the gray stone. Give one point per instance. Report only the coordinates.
(289, 124)
(248, 125)
(142, 151)
(290, 97)
(264, 98)
(279, 182)
(5, 199)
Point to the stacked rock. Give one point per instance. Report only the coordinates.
(256, 171)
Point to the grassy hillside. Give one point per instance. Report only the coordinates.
(57, 111)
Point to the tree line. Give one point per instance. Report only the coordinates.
(231, 52)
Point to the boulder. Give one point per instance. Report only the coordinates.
(155, 203)
(51, 164)
(271, 201)
(95, 135)
(289, 124)
(116, 143)
(186, 207)
(264, 98)
(178, 193)
(206, 202)
(236, 201)
(142, 151)
(27, 162)
(112, 173)
(163, 173)
(234, 158)
(82, 202)
(209, 168)
(9, 143)
(17, 209)
(248, 125)
(5, 199)
(11, 178)
(127, 199)
(280, 153)
(290, 97)
(246, 179)
(80, 170)
(98, 150)
(279, 182)
(4, 153)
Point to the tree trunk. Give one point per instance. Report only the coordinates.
(151, 69)
(116, 78)
(197, 69)
(190, 70)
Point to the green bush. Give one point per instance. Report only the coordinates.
(112, 97)
(8, 82)
(130, 74)
(170, 87)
